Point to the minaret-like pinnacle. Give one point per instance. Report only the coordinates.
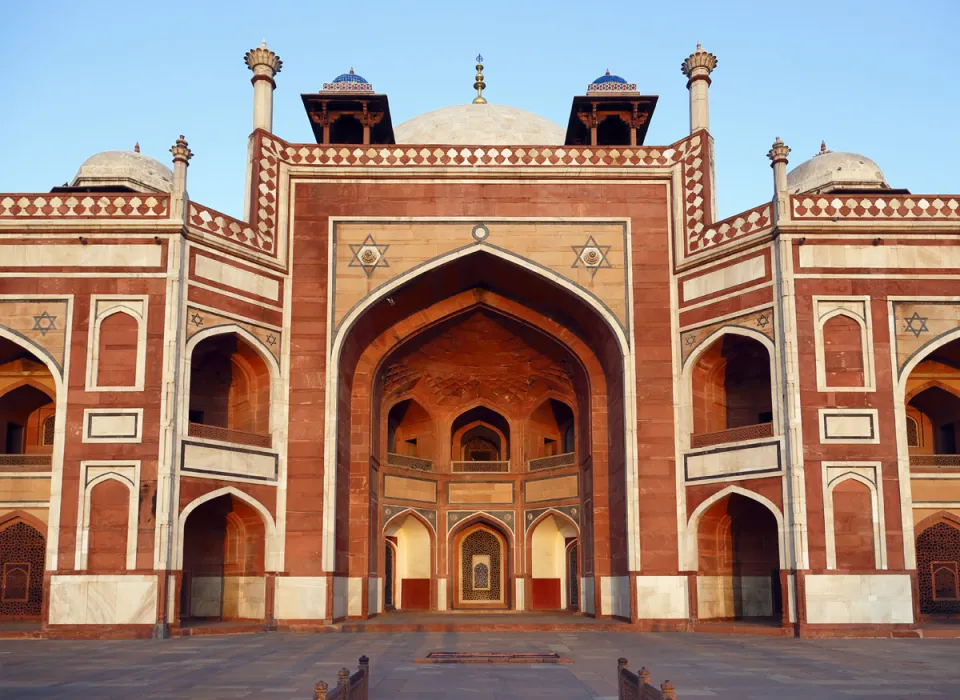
(263, 61)
(479, 85)
(181, 152)
(700, 62)
(778, 153)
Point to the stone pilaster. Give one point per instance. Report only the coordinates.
(778, 161)
(265, 64)
(179, 197)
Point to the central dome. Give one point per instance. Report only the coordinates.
(480, 125)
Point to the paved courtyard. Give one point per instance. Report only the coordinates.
(287, 665)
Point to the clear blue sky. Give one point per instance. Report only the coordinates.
(876, 78)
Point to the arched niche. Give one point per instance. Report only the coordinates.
(410, 541)
(411, 431)
(480, 435)
(550, 430)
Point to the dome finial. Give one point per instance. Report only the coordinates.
(608, 72)
(479, 85)
(136, 147)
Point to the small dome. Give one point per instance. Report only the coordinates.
(480, 125)
(126, 169)
(351, 77)
(830, 170)
(607, 78)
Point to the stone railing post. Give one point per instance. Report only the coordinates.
(667, 692)
(320, 691)
(343, 682)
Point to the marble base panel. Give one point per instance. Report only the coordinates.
(301, 598)
(103, 600)
(727, 597)
(662, 598)
(858, 599)
(587, 596)
(615, 595)
(232, 597)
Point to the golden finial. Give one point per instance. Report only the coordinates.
(479, 85)
(136, 147)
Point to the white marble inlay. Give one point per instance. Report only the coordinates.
(880, 256)
(222, 460)
(859, 599)
(724, 461)
(718, 280)
(91, 255)
(231, 276)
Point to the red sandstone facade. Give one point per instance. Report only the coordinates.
(478, 376)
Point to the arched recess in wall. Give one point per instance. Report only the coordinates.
(843, 360)
(471, 273)
(14, 346)
(691, 535)
(481, 567)
(117, 342)
(548, 541)
(231, 382)
(853, 521)
(729, 389)
(412, 539)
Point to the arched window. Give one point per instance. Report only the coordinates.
(843, 357)
(118, 339)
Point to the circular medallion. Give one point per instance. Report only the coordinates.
(480, 233)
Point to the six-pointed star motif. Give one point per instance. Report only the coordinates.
(591, 255)
(911, 324)
(44, 323)
(369, 255)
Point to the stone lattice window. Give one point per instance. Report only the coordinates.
(913, 432)
(22, 551)
(49, 427)
(481, 576)
(574, 578)
(938, 561)
(479, 543)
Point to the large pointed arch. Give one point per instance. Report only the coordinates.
(902, 376)
(60, 415)
(596, 307)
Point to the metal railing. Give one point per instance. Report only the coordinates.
(239, 437)
(935, 460)
(479, 467)
(419, 463)
(567, 459)
(26, 460)
(349, 687)
(637, 686)
(720, 437)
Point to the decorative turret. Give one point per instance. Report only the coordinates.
(347, 110)
(778, 161)
(612, 113)
(265, 64)
(181, 159)
(697, 67)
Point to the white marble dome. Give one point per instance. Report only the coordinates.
(480, 125)
(830, 170)
(124, 168)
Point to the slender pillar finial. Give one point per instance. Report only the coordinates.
(778, 161)
(265, 64)
(697, 67)
(479, 85)
(178, 196)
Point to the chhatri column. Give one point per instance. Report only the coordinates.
(698, 67)
(778, 161)
(179, 197)
(265, 64)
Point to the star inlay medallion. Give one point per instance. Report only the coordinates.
(44, 323)
(196, 319)
(763, 320)
(591, 255)
(369, 255)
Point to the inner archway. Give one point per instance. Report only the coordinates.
(738, 568)
(224, 546)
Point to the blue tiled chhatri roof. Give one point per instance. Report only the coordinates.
(610, 79)
(350, 77)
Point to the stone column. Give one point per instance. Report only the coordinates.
(265, 64)
(181, 155)
(698, 67)
(778, 161)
